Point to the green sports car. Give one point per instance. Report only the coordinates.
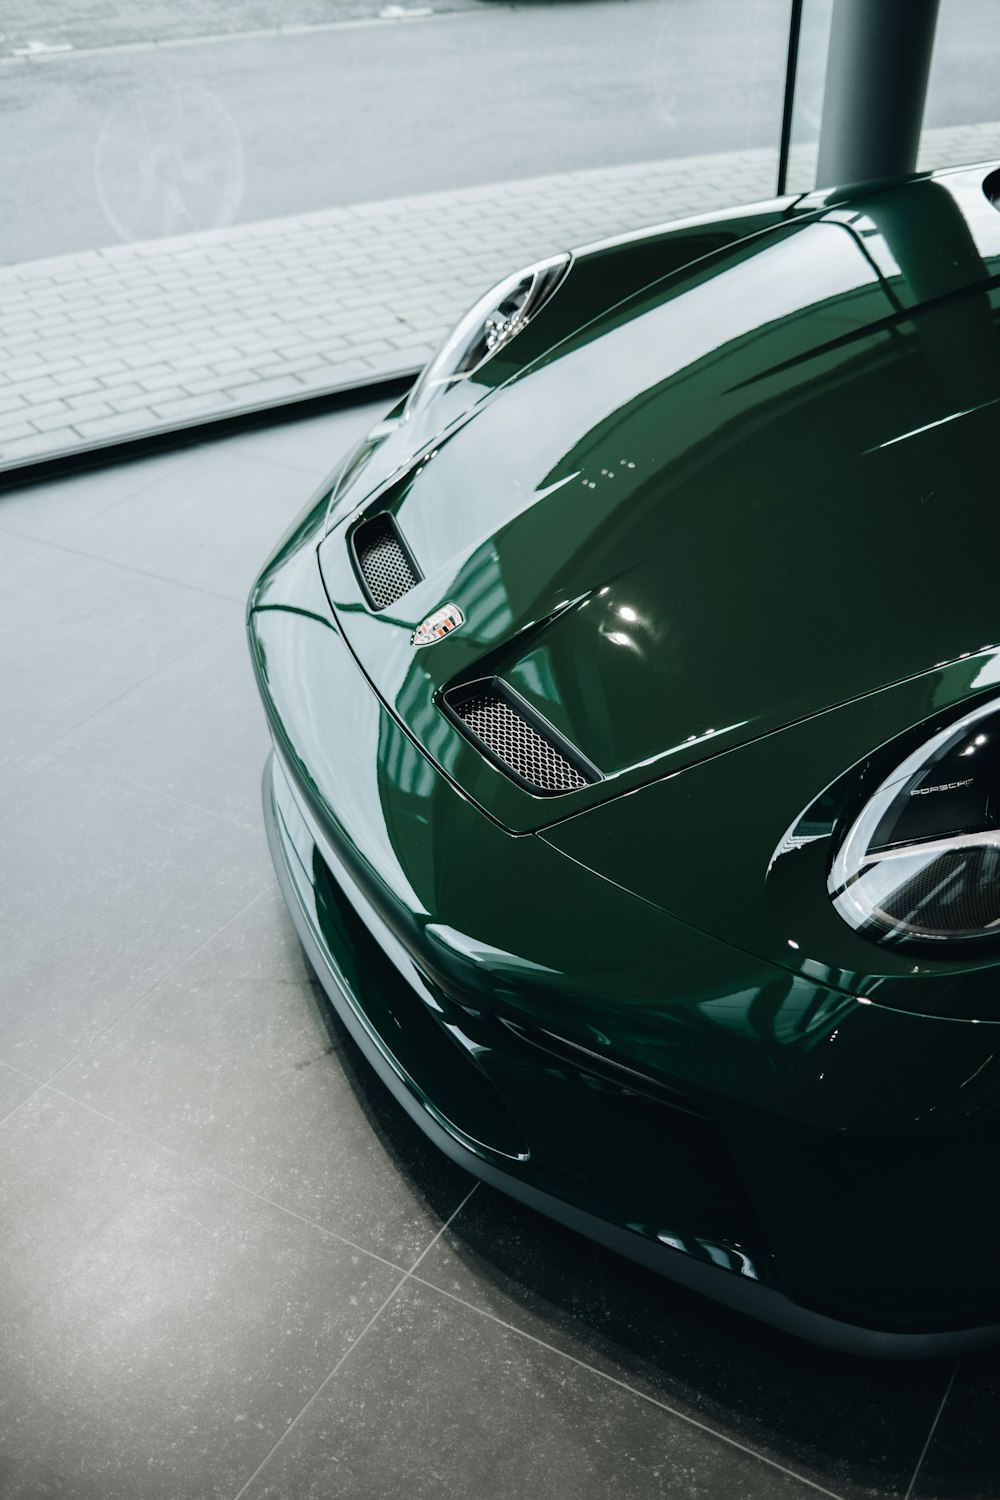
(635, 696)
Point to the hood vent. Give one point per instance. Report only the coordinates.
(517, 739)
(383, 561)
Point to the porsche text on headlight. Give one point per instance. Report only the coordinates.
(922, 862)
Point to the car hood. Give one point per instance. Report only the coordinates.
(748, 493)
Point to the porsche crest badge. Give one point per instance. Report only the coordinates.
(436, 626)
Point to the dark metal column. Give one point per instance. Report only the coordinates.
(791, 68)
(876, 83)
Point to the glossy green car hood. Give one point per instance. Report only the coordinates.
(748, 493)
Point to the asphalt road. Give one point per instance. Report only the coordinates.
(40, 27)
(130, 142)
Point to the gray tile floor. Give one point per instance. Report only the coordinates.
(229, 1265)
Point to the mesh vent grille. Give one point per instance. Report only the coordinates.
(383, 562)
(516, 743)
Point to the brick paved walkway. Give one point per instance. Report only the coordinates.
(119, 343)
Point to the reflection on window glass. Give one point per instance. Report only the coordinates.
(221, 207)
(961, 123)
(962, 115)
(165, 119)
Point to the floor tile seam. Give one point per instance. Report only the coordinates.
(177, 459)
(52, 745)
(21, 1103)
(633, 1390)
(291, 1426)
(110, 562)
(13, 1068)
(212, 1172)
(308, 471)
(149, 990)
(404, 1278)
(933, 1428)
(318, 476)
(139, 786)
(147, 484)
(446, 1225)
(292, 469)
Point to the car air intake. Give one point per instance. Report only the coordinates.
(517, 739)
(385, 567)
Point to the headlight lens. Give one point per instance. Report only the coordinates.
(921, 865)
(489, 327)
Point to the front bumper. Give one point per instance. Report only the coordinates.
(347, 953)
(346, 963)
(680, 1103)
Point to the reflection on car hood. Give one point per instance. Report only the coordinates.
(750, 492)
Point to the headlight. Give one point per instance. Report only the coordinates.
(921, 865)
(489, 327)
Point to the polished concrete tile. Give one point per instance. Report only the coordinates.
(14, 1089)
(16, 747)
(208, 523)
(79, 632)
(160, 1327)
(45, 510)
(963, 1456)
(851, 1425)
(235, 1061)
(436, 1400)
(23, 563)
(314, 445)
(194, 730)
(105, 889)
